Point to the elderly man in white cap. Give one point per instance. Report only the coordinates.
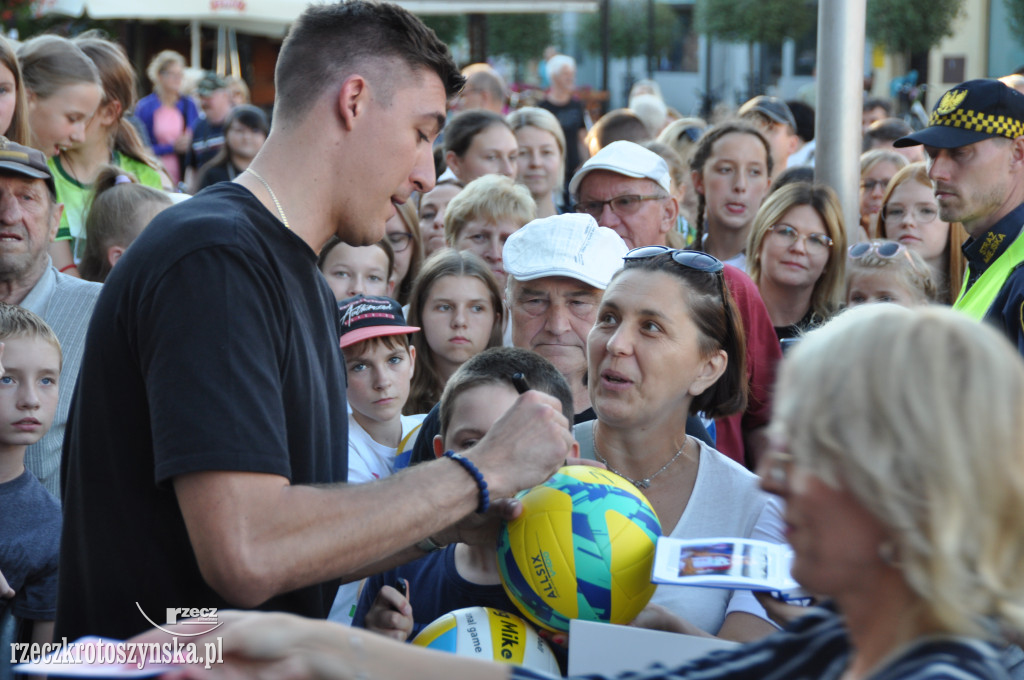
(557, 269)
(627, 188)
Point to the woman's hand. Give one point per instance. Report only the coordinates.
(391, 614)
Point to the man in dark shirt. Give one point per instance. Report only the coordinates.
(207, 448)
(208, 134)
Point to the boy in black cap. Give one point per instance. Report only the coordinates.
(975, 147)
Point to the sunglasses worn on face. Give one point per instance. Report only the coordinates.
(693, 260)
(869, 185)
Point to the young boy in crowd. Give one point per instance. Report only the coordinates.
(379, 362)
(30, 520)
(459, 575)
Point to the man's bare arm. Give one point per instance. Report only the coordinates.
(256, 536)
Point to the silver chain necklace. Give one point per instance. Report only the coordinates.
(273, 197)
(644, 483)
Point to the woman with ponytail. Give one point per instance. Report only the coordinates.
(109, 140)
(731, 169)
(119, 209)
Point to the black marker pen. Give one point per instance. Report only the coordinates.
(519, 380)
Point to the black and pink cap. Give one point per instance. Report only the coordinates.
(365, 317)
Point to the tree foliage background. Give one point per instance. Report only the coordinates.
(769, 22)
(904, 26)
(1015, 16)
(628, 29)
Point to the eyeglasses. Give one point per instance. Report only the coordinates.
(692, 133)
(789, 236)
(923, 214)
(692, 260)
(884, 249)
(870, 185)
(622, 206)
(399, 241)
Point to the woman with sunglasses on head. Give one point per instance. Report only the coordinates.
(910, 215)
(670, 309)
(797, 247)
(905, 518)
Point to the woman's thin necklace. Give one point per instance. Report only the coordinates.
(273, 197)
(638, 483)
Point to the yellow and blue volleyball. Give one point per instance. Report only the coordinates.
(583, 548)
(489, 634)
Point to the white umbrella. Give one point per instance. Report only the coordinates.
(272, 17)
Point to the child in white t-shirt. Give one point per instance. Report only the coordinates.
(379, 362)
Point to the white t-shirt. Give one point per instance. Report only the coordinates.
(369, 460)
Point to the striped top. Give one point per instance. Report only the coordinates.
(816, 647)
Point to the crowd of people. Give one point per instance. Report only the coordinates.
(276, 351)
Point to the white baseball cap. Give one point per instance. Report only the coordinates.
(571, 245)
(626, 158)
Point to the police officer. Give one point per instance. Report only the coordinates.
(975, 147)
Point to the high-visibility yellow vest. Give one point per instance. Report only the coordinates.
(976, 301)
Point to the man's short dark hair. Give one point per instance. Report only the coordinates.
(877, 103)
(329, 43)
(616, 126)
(803, 114)
(884, 132)
(496, 366)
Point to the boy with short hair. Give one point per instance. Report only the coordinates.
(379, 362)
(459, 575)
(31, 520)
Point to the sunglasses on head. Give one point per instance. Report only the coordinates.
(884, 249)
(693, 260)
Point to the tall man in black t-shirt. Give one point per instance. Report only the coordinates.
(207, 444)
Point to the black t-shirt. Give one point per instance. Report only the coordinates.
(213, 346)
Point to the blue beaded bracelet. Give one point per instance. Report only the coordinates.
(485, 495)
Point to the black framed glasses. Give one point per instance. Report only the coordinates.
(623, 206)
(870, 185)
(399, 240)
(693, 260)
